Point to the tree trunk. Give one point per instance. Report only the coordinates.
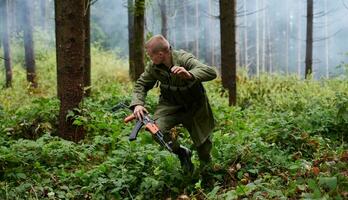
(228, 48)
(197, 28)
(287, 45)
(70, 47)
(263, 58)
(185, 26)
(326, 41)
(164, 19)
(299, 42)
(131, 48)
(246, 59)
(257, 38)
(309, 40)
(6, 42)
(139, 53)
(270, 50)
(87, 68)
(212, 33)
(29, 44)
(174, 36)
(43, 23)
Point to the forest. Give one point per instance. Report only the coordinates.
(279, 101)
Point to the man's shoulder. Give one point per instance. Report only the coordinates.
(182, 54)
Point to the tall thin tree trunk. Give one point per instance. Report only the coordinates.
(70, 46)
(87, 69)
(197, 27)
(257, 38)
(164, 19)
(263, 36)
(131, 48)
(43, 17)
(287, 46)
(207, 36)
(309, 39)
(212, 40)
(246, 57)
(29, 44)
(173, 8)
(270, 50)
(228, 48)
(4, 12)
(185, 26)
(139, 29)
(13, 16)
(299, 42)
(238, 46)
(326, 41)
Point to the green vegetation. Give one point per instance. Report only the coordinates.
(286, 138)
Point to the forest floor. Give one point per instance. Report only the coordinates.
(285, 139)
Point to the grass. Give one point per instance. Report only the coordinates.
(286, 138)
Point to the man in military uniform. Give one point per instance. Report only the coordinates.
(182, 100)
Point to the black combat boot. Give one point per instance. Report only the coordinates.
(185, 155)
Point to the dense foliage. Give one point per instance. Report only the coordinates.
(286, 138)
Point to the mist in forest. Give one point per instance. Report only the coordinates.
(194, 26)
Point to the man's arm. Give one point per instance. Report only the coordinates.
(199, 71)
(145, 82)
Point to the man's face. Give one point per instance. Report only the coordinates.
(157, 58)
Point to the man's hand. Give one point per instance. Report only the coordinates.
(181, 72)
(139, 112)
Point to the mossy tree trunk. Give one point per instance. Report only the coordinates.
(309, 39)
(139, 65)
(28, 43)
(228, 48)
(70, 49)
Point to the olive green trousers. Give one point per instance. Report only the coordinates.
(166, 123)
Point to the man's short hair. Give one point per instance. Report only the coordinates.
(157, 43)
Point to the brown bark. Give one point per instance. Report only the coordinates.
(228, 48)
(70, 46)
(6, 42)
(139, 53)
(29, 44)
(131, 36)
(309, 40)
(87, 68)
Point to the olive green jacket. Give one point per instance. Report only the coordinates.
(179, 95)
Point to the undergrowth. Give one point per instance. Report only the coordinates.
(286, 138)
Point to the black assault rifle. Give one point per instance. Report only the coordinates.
(150, 125)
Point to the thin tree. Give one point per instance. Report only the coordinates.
(299, 42)
(228, 48)
(327, 40)
(70, 50)
(131, 48)
(197, 28)
(185, 26)
(263, 55)
(246, 57)
(43, 13)
(29, 44)
(164, 18)
(4, 12)
(87, 67)
(309, 39)
(257, 38)
(139, 65)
